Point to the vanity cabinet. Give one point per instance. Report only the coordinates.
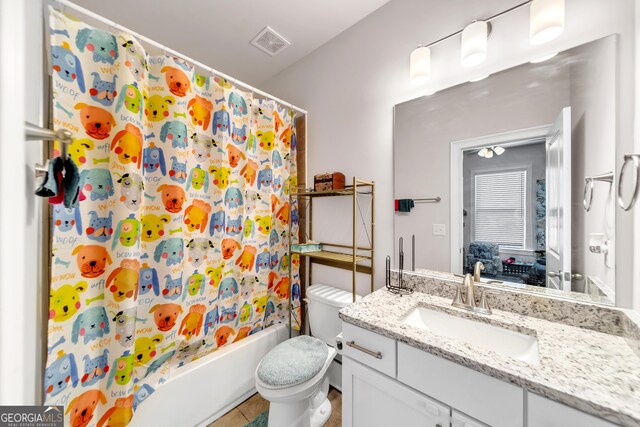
(386, 382)
(487, 399)
(373, 399)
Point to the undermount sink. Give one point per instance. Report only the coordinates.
(489, 337)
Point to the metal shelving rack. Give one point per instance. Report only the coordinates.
(347, 257)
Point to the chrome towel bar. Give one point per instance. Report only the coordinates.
(35, 132)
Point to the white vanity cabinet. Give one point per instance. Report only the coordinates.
(389, 383)
(373, 399)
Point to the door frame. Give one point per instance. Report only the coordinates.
(504, 139)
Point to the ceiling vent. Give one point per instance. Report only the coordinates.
(270, 42)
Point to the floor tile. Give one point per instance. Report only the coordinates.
(233, 418)
(335, 397)
(253, 406)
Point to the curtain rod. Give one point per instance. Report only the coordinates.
(165, 49)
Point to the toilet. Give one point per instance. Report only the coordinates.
(293, 375)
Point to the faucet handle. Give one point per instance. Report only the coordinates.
(457, 298)
(484, 304)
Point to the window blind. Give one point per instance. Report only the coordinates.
(500, 208)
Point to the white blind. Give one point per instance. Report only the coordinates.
(500, 208)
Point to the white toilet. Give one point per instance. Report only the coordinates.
(293, 375)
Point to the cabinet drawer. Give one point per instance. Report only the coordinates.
(543, 412)
(369, 348)
(480, 396)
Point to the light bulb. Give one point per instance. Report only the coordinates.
(546, 20)
(420, 65)
(474, 44)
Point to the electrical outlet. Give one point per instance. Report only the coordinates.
(439, 230)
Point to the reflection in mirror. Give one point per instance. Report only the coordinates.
(523, 162)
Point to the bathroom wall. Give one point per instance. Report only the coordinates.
(593, 115)
(531, 156)
(21, 228)
(351, 84)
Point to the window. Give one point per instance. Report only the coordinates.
(500, 208)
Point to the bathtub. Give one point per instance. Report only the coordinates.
(206, 389)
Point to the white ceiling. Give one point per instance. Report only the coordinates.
(217, 32)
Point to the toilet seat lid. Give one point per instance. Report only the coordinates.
(293, 362)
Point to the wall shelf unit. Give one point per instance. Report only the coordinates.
(357, 259)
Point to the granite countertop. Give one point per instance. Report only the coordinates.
(595, 372)
(512, 286)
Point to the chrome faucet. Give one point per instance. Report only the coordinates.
(468, 301)
(477, 268)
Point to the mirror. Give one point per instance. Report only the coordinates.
(515, 171)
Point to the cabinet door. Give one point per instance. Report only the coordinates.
(492, 401)
(371, 399)
(459, 419)
(543, 412)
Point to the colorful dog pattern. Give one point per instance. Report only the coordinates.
(98, 183)
(101, 43)
(91, 325)
(95, 368)
(103, 91)
(67, 65)
(60, 373)
(178, 245)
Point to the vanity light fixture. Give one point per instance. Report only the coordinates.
(546, 23)
(543, 58)
(546, 20)
(488, 152)
(420, 65)
(474, 43)
(477, 79)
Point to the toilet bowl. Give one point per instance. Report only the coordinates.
(303, 404)
(293, 375)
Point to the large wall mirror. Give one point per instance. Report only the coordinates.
(515, 171)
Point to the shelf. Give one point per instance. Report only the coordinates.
(337, 259)
(348, 191)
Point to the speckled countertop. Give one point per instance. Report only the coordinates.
(595, 372)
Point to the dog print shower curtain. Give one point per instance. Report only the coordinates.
(179, 244)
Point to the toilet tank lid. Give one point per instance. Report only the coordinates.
(329, 295)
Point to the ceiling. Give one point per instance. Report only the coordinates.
(217, 32)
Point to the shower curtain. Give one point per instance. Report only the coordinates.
(179, 244)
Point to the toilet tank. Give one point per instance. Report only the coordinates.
(324, 302)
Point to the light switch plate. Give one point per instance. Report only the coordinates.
(439, 230)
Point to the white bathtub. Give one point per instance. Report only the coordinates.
(207, 388)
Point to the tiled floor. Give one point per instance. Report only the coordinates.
(253, 406)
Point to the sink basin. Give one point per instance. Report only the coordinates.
(488, 337)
